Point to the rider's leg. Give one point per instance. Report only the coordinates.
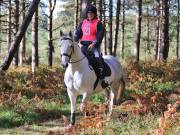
(96, 52)
(84, 50)
(90, 54)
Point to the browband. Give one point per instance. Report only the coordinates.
(66, 38)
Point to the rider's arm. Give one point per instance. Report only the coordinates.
(99, 34)
(78, 33)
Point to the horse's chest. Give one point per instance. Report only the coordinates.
(80, 81)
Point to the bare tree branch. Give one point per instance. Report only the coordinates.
(58, 27)
(53, 6)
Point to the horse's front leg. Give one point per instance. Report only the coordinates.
(72, 98)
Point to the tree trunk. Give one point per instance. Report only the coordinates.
(157, 29)
(76, 14)
(122, 28)
(9, 25)
(165, 29)
(35, 60)
(19, 35)
(105, 32)
(0, 32)
(117, 26)
(50, 47)
(16, 57)
(138, 27)
(160, 42)
(50, 33)
(80, 13)
(22, 50)
(147, 48)
(100, 12)
(177, 36)
(110, 42)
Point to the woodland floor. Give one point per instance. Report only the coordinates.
(38, 103)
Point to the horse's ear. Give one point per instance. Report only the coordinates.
(70, 34)
(61, 33)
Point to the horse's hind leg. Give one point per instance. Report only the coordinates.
(112, 96)
(72, 98)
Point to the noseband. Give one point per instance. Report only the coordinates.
(69, 55)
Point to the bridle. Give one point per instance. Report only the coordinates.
(69, 55)
(65, 54)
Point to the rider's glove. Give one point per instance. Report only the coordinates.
(91, 46)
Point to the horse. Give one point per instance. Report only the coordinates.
(79, 78)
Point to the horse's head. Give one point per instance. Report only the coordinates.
(66, 48)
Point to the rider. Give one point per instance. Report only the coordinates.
(90, 32)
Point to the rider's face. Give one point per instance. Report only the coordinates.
(90, 16)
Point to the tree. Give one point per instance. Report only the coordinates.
(76, 13)
(110, 39)
(0, 30)
(16, 57)
(122, 28)
(138, 27)
(117, 26)
(147, 47)
(35, 60)
(100, 8)
(9, 25)
(177, 36)
(163, 44)
(165, 29)
(15, 45)
(50, 34)
(157, 44)
(105, 31)
(22, 50)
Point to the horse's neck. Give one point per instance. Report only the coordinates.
(78, 57)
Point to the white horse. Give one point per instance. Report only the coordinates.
(79, 78)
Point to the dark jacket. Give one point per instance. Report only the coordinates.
(99, 35)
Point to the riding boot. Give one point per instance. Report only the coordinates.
(103, 83)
